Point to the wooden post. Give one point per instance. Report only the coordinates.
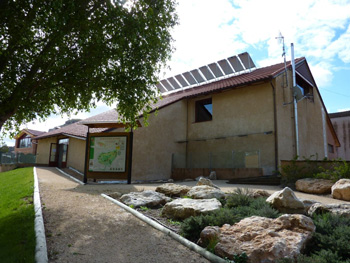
(86, 156)
(131, 138)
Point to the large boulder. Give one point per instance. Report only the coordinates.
(180, 209)
(147, 198)
(314, 186)
(206, 181)
(286, 201)
(258, 193)
(171, 189)
(205, 192)
(336, 209)
(341, 190)
(262, 239)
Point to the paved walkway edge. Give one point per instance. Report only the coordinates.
(71, 177)
(40, 248)
(203, 252)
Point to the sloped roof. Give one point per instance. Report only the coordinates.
(339, 114)
(260, 74)
(32, 133)
(78, 130)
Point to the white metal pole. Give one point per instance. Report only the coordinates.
(295, 104)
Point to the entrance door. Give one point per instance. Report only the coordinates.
(53, 155)
(62, 155)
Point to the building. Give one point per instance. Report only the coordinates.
(26, 141)
(341, 124)
(239, 125)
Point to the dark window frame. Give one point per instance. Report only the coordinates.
(25, 142)
(202, 113)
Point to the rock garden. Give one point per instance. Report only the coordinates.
(252, 226)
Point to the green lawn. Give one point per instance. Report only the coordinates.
(17, 236)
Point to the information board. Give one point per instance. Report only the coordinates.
(108, 154)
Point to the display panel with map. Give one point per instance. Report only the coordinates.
(107, 154)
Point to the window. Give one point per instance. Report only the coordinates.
(330, 148)
(204, 110)
(25, 142)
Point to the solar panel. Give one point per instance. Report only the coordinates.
(161, 88)
(215, 69)
(181, 80)
(166, 84)
(225, 67)
(235, 63)
(246, 60)
(189, 78)
(206, 72)
(174, 83)
(195, 73)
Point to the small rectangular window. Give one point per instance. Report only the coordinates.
(330, 148)
(204, 110)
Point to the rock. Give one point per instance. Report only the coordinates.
(314, 186)
(341, 190)
(285, 201)
(308, 203)
(212, 175)
(198, 178)
(205, 181)
(259, 193)
(205, 192)
(337, 209)
(180, 209)
(115, 195)
(147, 198)
(262, 239)
(171, 189)
(170, 180)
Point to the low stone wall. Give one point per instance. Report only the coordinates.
(221, 173)
(7, 167)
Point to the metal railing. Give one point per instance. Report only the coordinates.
(14, 158)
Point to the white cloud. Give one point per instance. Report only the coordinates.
(341, 110)
(322, 74)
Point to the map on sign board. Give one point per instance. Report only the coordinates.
(107, 154)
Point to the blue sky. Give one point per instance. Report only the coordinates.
(212, 30)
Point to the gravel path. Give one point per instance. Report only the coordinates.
(82, 226)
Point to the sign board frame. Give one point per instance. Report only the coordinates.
(120, 175)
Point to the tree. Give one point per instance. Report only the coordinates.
(63, 56)
(4, 149)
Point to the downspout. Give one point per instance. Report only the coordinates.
(86, 155)
(275, 125)
(186, 153)
(295, 106)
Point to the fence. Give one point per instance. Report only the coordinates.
(227, 165)
(16, 158)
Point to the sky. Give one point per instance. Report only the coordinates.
(210, 30)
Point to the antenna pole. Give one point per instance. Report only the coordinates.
(295, 105)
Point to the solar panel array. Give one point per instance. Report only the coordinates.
(214, 71)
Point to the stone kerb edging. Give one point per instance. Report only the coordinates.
(203, 252)
(71, 177)
(40, 247)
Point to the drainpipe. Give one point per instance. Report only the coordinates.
(295, 105)
(275, 125)
(86, 156)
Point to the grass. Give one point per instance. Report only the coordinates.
(17, 236)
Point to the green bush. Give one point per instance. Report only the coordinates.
(240, 197)
(332, 233)
(193, 226)
(337, 172)
(323, 256)
(238, 206)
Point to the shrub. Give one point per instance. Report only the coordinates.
(240, 197)
(337, 172)
(193, 226)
